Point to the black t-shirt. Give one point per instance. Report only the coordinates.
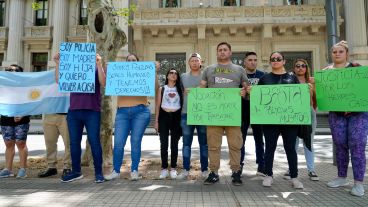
(271, 79)
(253, 79)
(9, 121)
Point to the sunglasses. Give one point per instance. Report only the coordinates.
(301, 66)
(276, 59)
(11, 70)
(173, 72)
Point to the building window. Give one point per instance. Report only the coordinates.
(1, 59)
(231, 3)
(294, 2)
(42, 13)
(170, 3)
(39, 62)
(238, 58)
(290, 57)
(83, 12)
(2, 13)
(168, 61)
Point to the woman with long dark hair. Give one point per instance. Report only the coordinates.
(14, 131)
(302, 71)
(132, 117)
(278, 75)
(168, 115)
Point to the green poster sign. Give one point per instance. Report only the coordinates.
(280, 104)
(342, 89)
(214, 106)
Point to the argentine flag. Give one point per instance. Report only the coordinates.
(31, 93)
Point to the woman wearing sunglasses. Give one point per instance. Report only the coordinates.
(278, 75)
(168, 116)
(132, 117)
(302, 71)
(349, 132)
(14, 131)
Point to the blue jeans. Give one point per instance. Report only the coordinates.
(134, 121)
(188, 131)
(309, 155)
(77, 120)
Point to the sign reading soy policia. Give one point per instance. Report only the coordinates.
(280, 104)
(130, 79)
(342, 89)
(77, 67)
(214, 107)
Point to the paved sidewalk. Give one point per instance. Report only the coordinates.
(49, 191)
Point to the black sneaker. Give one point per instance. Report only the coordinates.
(212, 178)
(49, 172)
(236, 180)
(313, 176)
(241, 169)
(66, 171)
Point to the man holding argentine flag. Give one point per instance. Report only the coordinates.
(79, 71)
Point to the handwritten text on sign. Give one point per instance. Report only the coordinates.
(342, 89)
(280, 104)
(130, 79)
(214, 106)
(77, 67)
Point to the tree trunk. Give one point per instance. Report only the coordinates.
(109, 38)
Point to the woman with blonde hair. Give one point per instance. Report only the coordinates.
(349, 132)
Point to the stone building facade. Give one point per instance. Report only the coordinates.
(170, 30)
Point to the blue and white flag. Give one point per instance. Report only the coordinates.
(31, 93)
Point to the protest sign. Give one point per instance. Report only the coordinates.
(342, 89)
(77, 67)
(130, 79)
(280, 104)
(214, 106)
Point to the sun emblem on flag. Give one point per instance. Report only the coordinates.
(34, 94)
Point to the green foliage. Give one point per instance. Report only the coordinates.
(36, 6)
(126, 13)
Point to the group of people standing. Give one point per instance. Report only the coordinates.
(349, 130)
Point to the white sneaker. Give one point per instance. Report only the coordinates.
(134, 176)
(204, 174)
(267, 181)
(164, 174)
(114, 175)
(357, 190)
(183, 175)
(173, 174)
(338, 182)
(296, 183)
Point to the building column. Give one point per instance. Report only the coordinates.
(15, 44)
(356, 33)
(60, 27)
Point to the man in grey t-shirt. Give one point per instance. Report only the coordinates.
(224, 74)
(189, 80)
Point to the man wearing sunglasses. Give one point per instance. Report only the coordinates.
(224, 74)
(253, 75)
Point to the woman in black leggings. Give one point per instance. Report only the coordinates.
(271, 132)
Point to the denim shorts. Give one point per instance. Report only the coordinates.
(16, 133)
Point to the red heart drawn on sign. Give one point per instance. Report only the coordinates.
(172, 95)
